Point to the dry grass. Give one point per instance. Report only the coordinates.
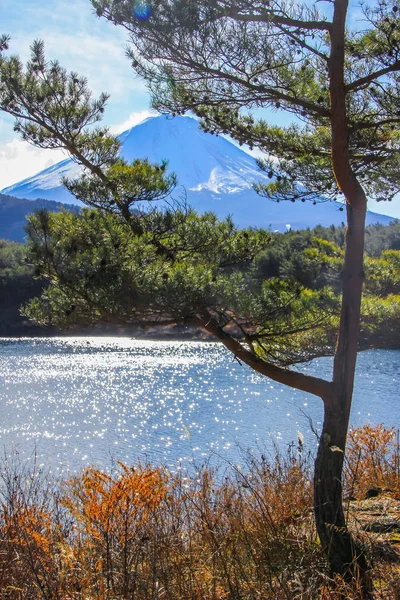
(145, 534)
(372, 460)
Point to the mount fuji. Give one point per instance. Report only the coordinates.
(213, 174)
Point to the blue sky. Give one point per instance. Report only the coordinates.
(92, 47)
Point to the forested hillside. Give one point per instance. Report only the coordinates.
(284, 256)
(13, 213)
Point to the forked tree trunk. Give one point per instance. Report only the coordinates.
(345, 557)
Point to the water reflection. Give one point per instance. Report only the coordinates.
(96, 400)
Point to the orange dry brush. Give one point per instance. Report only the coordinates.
(372, 460)
(142, 533)
(112, 516)
(28, 526)
(30, 543)
(104, 502)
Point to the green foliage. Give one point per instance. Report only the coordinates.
(383, 273)
(220, 59)
(377, 237)
(12, 261)
(55, 109)
(114, 273)
(301, 255)
(17, 286)
(52, 107)
(100, 269)
(125, 186)
(379, 321)
(267, 281)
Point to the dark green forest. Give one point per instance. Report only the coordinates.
(17, 285)
(285, 255)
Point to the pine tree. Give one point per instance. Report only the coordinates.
(216, 59)
(341, 80)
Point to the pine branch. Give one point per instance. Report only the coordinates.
(270, 17)
(364, 81)
(300, 381)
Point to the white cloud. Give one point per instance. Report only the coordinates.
(101, 59)
(82, 43)
(134, 119)
(20, 160)
(78, 39)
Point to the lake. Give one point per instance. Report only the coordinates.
(80, 401)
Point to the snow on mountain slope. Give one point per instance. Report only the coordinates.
(46, 184)
(200, 160)
(214, 174)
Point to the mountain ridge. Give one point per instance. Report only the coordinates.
(13, 213)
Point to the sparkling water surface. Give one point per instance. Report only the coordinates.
(91, 401)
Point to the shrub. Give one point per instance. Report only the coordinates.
(142, 533)
(372, 460)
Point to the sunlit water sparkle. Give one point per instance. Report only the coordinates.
(81, 401)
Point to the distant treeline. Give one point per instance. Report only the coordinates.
(283, 256)
(17, 286)
(14, 211)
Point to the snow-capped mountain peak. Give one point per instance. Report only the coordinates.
(201, 161)
(216, 174)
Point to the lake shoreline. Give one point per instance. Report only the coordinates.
(155, 333)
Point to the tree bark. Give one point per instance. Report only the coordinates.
(345, 557)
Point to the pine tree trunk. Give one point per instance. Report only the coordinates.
(345, 557)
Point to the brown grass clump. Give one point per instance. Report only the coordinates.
(142, 533)
(372, 460)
